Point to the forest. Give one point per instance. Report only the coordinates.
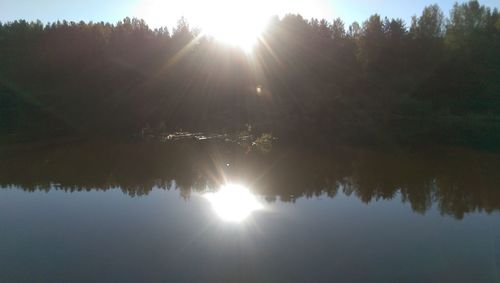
(434, 80)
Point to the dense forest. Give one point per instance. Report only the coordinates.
(433, 80)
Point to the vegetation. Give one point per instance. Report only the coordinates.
(434, 80)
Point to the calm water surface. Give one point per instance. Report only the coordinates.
(187, 212)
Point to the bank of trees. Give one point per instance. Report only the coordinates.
(435, 79)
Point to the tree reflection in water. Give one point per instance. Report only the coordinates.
(459, 181)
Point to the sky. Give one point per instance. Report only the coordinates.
(167, 12)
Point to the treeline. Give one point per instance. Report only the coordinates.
(456, 181)
(435, 79)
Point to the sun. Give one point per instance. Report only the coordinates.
(244, 36)
(235, 22)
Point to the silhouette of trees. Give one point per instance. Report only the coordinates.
(432, 80)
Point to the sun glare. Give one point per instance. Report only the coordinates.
(233, 203)
(234, 22)
(244, 36)
(238, 23)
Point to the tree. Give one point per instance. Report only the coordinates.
(338, 29)
(371, 41)
(467, 21)
(429, 25)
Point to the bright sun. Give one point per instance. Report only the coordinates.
(244, 36)
(235, 22)
(233, 203)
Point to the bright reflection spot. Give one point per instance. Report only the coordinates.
(233, 202)
(259, 89)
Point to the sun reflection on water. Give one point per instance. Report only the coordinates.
(233, 203)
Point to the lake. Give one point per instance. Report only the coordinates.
(135, 211)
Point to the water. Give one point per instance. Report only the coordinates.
(191, 212)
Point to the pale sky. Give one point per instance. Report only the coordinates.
(167, 12)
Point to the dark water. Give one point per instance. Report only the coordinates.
(150, 212)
